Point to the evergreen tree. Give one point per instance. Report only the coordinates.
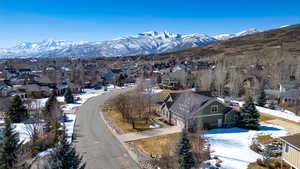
(249, 116)
(52, 114)
(50, 104)
(120, 79)
(158, 80)
(9, 148)
(261, 100)
(69, 96)
(17, 111)
(184, 152)
(64, 156)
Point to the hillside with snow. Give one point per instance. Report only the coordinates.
(227, 36)
(143, 43)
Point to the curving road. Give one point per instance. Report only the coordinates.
(101, 150)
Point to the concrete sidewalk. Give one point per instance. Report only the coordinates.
(148, 133)
(291, 128)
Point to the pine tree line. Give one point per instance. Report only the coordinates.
(64, 155)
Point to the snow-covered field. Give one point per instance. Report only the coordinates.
(71, 118)
(232, 145)
(82, 98)
(279, 113)
(22, 128)
(70, 124)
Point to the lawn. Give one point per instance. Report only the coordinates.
(291, 108)
(127, 127)
(266, 138)
(232, 145)
(157, 145)
(266, 117)
(167, 91)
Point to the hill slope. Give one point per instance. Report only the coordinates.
(280, 43)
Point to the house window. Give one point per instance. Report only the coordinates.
(286, 148)
(214, 108)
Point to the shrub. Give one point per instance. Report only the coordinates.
(260, 162)
(271, 165)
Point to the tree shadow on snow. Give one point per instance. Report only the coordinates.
(240, 130)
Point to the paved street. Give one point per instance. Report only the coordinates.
(100, 148)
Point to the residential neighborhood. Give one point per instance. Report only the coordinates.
(149, 84)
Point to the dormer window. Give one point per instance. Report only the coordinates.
(214, 109)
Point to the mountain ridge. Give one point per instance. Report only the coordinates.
(142, 43)
(278, 44)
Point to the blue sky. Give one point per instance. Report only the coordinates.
(95, 20)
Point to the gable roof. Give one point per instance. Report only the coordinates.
(293, 140)
(174, 96)
(159, 97)
(188, 103)
(116, 71)
(43, 79)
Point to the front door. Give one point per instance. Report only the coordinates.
(219, 122)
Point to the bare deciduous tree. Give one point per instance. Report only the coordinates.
(167, 159)
(200, 151)
(220, 75)
(235, 82)
(204, 80)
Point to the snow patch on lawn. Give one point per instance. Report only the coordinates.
(232, 145)
(278, 113)
(45, 153)
(22, 128)
(153, 91)
(82, 97)
(70, 124)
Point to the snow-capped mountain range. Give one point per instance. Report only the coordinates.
(143, 43)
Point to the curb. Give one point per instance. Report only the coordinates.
(132, 154)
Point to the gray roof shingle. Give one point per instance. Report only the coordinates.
(188, 103)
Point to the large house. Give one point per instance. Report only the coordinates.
(111, 75)
(196, 111)
(291, 150)
(290, 92)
